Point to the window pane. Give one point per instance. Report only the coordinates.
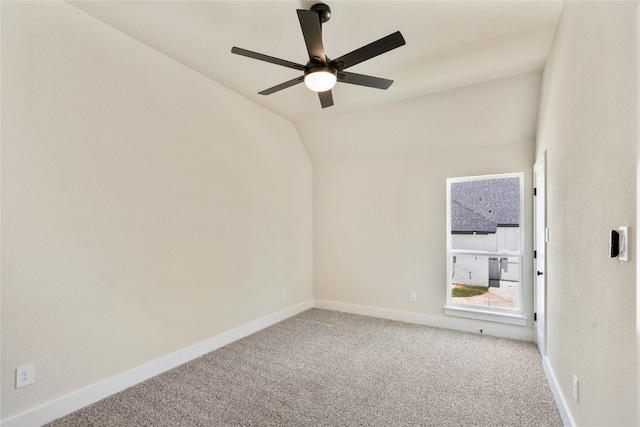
(485, 215)
(485, 281)
(485, 243)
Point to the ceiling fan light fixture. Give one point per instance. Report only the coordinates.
(320, 78)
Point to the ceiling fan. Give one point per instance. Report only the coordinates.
(320, 74)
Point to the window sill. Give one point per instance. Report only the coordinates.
(491, 316)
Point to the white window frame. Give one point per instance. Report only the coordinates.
(494, 314)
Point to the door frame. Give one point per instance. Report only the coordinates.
(540, 239)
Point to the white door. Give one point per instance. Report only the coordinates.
(540, 238)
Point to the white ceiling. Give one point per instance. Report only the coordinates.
(450, 44)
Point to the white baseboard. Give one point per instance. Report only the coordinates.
(565, 413)
(79, 399)
(446, 322)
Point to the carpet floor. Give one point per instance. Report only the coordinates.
(325, 368)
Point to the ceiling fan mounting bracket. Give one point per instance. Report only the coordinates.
(323, 11)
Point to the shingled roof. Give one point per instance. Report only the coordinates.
(483, 205)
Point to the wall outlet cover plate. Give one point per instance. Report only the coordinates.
(25, 375)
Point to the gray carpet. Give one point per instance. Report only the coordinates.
(324, 368)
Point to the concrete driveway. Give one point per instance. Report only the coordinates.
(504, 296)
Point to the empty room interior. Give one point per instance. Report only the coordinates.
(156, 207)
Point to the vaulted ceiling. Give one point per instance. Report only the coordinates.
(449, 44)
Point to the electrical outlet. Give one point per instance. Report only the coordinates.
(25, 375)
(575, 387)
(412, 296)
(283, 294)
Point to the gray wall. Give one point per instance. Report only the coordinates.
(140, 213)
(380, 222)
(588, 127)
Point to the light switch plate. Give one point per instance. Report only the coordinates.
(623, 253)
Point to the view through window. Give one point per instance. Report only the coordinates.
(485, 242)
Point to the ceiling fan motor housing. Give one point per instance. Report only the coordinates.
(313, 67)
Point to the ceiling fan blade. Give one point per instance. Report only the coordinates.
(326, 99)
(362, 80)
(281, 86)
(266, 58)
(312, 33)
(369, 51)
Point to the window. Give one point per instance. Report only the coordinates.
(484, 248)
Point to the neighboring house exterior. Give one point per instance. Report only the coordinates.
(485, 217)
